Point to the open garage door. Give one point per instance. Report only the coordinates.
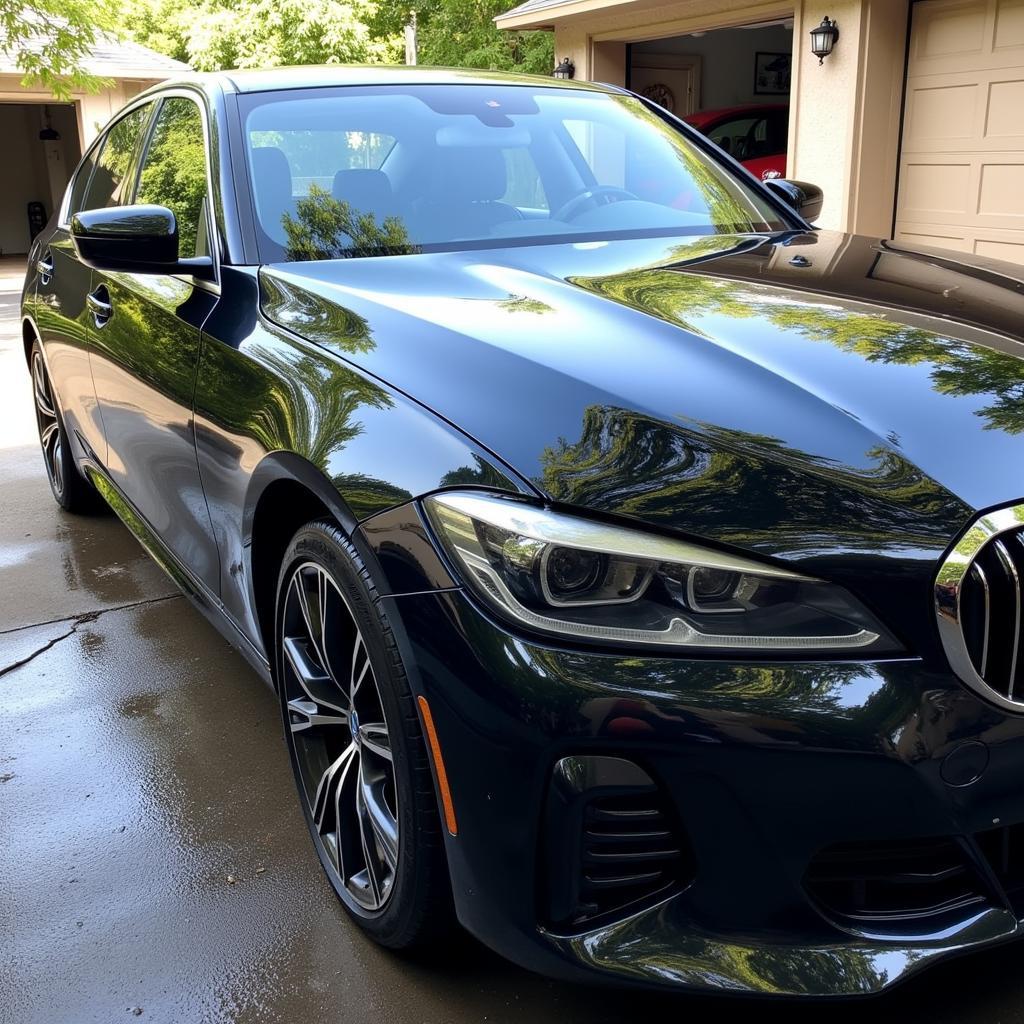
(962, 163)
(732, 84)
(41, 149)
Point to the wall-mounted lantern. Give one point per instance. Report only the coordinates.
(564, 70)
(823, 39)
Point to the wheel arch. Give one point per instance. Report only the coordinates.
(29, 336)
(285, 492)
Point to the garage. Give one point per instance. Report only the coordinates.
(961, 179)
(731, 83)
(41, 151)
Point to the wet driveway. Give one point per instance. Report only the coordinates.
(153, 861)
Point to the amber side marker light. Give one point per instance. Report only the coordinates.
(442, 775)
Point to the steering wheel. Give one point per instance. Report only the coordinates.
(599, 196)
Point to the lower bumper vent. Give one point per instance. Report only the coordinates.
(612, 842)
(1004, 850)
(895, 885)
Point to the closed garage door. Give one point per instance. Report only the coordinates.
(962, 164)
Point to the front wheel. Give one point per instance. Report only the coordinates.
(356, 748)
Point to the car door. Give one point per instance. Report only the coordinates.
(146, 349)
(63, 282)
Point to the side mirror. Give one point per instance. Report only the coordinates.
(134, 240)
(806, 199)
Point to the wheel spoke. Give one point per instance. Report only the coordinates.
(325, 802)
(369, 847)
(382, 824)
(315, 683)
(42, 391)
(374, 737)
(360, 666)
(50, 432)
(306, 714)
(310, 586)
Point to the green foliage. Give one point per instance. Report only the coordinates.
(50, 41)
(217, 34)
(325, 228)
(213, 35)
(461, 33)
(174, 174)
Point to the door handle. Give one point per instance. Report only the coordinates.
(44, 267)
(99, 305)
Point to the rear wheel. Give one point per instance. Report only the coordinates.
(357, 752)
(70, 489)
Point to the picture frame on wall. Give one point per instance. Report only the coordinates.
(772, 73)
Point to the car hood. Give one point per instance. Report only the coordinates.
(818, 396)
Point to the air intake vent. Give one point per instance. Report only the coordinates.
(892, 886)
(979, 597)
(612, 842)
(1004, 850)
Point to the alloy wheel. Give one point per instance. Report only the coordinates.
(339, 736)
(49, 427)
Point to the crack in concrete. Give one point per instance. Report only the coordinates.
(76, 620)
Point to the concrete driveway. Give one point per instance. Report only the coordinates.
(142, 769)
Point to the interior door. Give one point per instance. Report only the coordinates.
(146, 351)
(670, 80)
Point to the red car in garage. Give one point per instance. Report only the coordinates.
(754, 134)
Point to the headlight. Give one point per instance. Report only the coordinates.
(565, 575)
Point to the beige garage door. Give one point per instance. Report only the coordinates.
(962, 163)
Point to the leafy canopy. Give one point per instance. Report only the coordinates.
(217, 34)
(50, 41)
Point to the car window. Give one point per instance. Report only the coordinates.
(110, 181)
(174, 172)
(738, 135)
(365, 171)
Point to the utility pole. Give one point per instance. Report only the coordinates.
(410, 39)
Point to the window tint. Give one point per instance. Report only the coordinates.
(174, 172)
(111, 179)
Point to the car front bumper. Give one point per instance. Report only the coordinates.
(765, 765)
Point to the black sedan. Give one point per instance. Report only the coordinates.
(638, 566)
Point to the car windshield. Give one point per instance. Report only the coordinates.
(382, 171)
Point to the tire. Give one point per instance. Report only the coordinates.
(70, 489)
(378, 835)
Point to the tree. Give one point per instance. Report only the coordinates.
(461, 33)
(50, 41)
(213, 35)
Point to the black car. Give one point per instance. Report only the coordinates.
(638, 566)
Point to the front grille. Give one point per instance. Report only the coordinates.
(895, 885)
(1004, 850)
(612, 842)
(978, 597)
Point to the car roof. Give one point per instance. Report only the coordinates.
(703, 117)
(327, 75)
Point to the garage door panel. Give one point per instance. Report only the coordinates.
(1005, 115)
(1002, 194)
(1009, 28)
(947, 29)
(962, 159)
(941, 112)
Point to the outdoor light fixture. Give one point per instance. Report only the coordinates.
(823, 38)
(565, 70)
